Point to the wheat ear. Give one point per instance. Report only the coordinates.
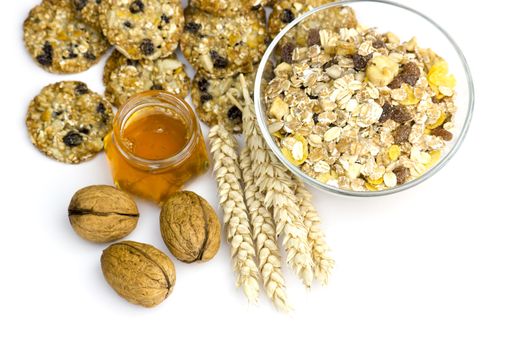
(265, 237)
(228, 174)
(323, 263)
(272, 178)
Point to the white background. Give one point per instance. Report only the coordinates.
(440, 266)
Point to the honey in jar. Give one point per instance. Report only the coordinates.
(156, 145)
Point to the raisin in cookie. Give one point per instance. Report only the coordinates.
(88, 11)
(213, 99)
(142, 29)
(68, 122)
(124, 78)
(59, 41)
(228, 7)
(223, 46)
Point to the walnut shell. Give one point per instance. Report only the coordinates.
(190, 227)
(102, 214)
(138, 272)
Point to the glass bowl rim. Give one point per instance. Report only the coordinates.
(339, 191)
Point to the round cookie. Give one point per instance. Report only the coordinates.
(88, 11)
(60, 42)
(124, 78)
(68, 122)
(142, 29)
(212, 101)
(223, 46)
(228, 7)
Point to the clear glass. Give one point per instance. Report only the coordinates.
(405, 22)
(156, 179)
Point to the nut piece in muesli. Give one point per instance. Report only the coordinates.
(88, 11)
(228, 7)
(124, 77)
(68, 122)
(213, 99)
(142, 29)
(223, 46)
(59, 42)
(360, 110)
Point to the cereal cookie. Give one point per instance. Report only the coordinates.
(68, 122)
(212, 98)
(307, 32)
(59, 41)
(228, 7)
(284, 12)
(223, 46)
(148, 29)
(88, 11)
(124, 77)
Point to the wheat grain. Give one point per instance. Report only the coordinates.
(323, 263)
(264, 236)
(272, 178)
(238, 232)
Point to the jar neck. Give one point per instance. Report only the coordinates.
(175, 107)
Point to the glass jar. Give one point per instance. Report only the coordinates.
(156, 145)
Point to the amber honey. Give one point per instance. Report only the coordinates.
(156, 146)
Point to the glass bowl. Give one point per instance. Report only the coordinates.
(405, 22)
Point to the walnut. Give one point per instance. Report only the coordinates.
(190, 227)
(102, 214)
(138, 272)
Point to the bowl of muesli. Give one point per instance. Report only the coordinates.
(351, 102)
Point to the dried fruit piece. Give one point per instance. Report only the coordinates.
(381, 70)
(444, 134)
(398, 114)
(72, 139)
(402, 174)
(360, 62)
(147, 47)
(279, 108)
(218, 60)
(410, 74)
(313, 37)
(402, 133)
(287, 52)
(136, 7)
(235, 113)
(287, 16)
(298, 154)
(192, 27)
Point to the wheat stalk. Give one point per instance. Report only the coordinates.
(228, 174)
(264, 236)
(323, 263)
(272, 179)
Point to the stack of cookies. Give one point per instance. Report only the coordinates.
(67, 121)
(222, 39)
